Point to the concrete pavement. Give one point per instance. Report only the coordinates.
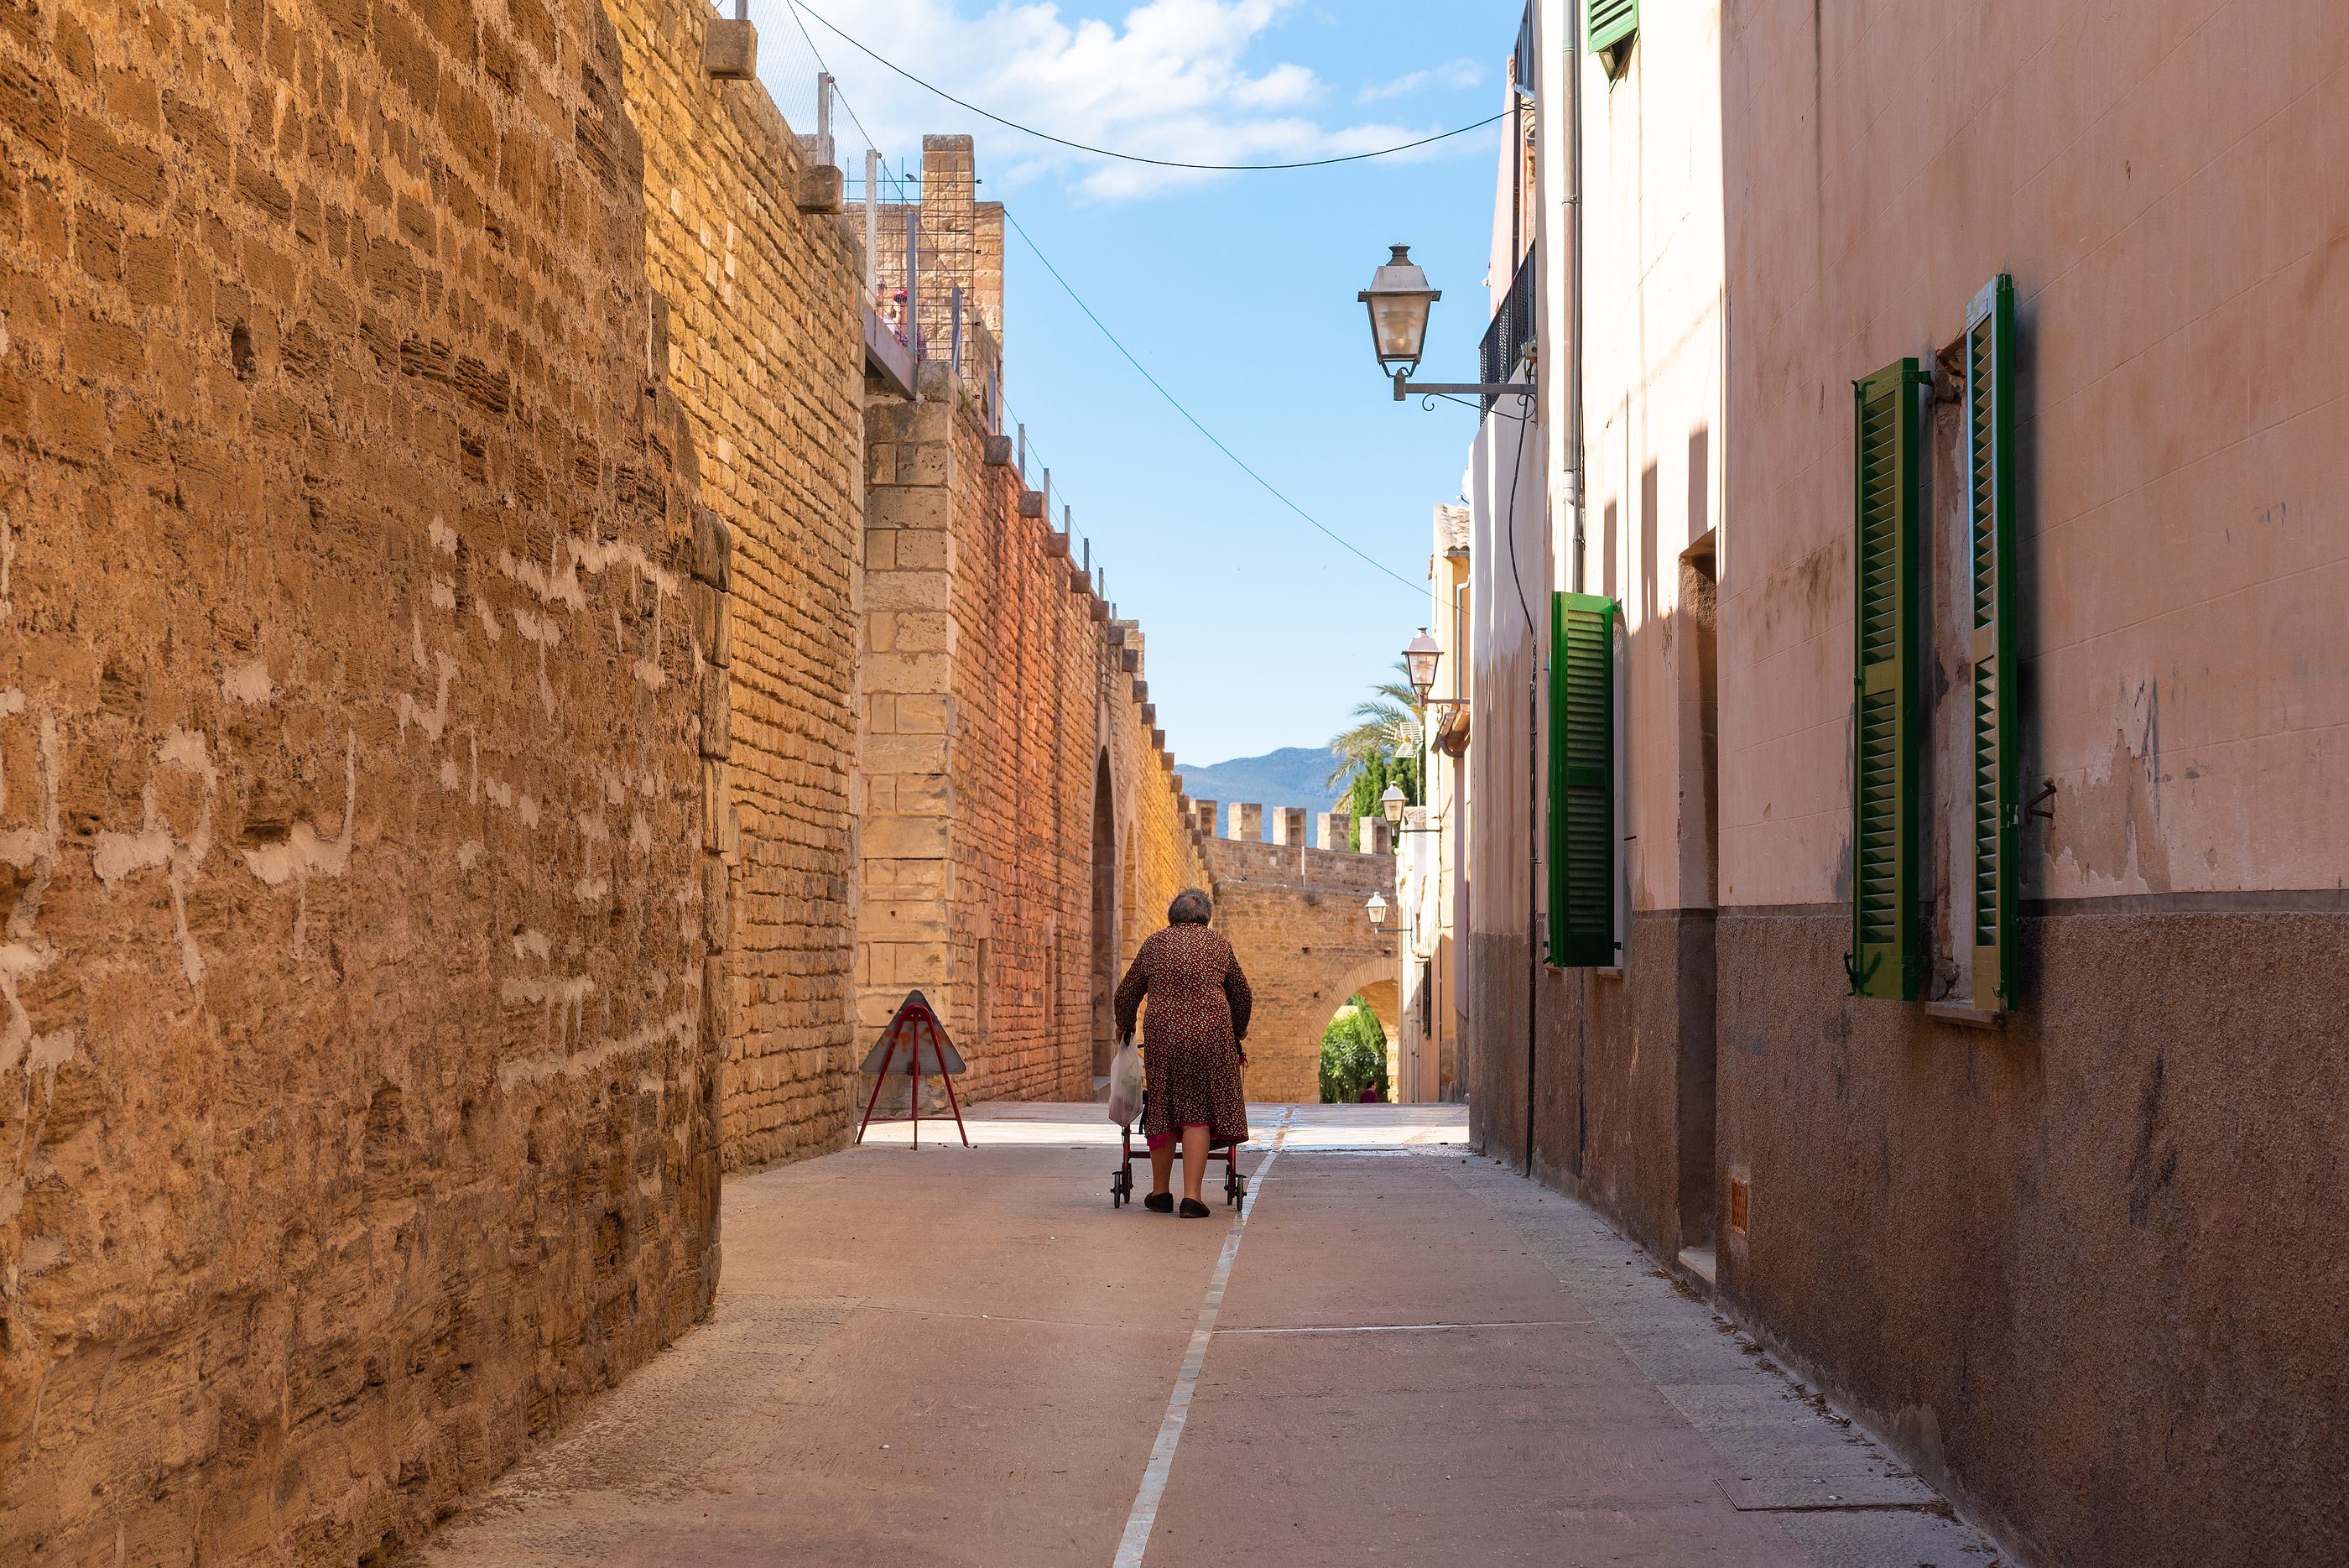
(965, 1356)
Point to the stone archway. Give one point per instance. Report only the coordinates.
(1374, 982)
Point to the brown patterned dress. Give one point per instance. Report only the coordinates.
(1199, 1003)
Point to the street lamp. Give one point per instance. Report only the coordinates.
(1378, 909)
(1399, 300)
(1393, 802)
(1420, 655)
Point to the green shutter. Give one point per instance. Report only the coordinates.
(1611, 21)
(1888, 956)
(1582, 782)
(1990, 465)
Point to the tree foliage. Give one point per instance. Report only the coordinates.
(1380, 747)
(1354, 1055)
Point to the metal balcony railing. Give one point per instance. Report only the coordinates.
(1512, 331)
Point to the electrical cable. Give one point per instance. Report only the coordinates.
(1173, 401)
(797, 5)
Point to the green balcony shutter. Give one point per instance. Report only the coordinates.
(1611, 21)
(1582, 780)
(1888, 952)
(1990, 466)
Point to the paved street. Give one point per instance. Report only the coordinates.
(965, 1356)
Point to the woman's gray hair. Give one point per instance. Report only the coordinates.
(1190, 907)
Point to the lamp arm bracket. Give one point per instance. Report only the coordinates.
(1404, 386)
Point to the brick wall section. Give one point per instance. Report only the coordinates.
(1295, 917)
(356, 1109)
(981, 693)
(991, 694)
(906, 714)
(765, 356)
(1028, 667)
(1160, 852)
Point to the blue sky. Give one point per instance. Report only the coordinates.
(1236, 290)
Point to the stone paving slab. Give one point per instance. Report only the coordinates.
(962, 1357)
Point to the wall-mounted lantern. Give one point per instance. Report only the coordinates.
(1399, 300)
(1378, 909)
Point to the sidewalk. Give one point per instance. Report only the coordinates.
(965, 1356)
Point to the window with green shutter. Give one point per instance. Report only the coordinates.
(1990, 469)
(1611, 21)
(1582, 782)
(1888, 957)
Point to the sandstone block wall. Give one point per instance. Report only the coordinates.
(765, 355)
(357, 1106)
(1161, 849)
(983, 696)
(1029, 668)
(1296, 917)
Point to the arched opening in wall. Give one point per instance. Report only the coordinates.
(1358, 1044)
(1104, 954)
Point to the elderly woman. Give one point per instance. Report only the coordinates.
(1199, 1004)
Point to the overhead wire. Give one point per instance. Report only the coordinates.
(1090, 315)
(933, 87)
(1176, 404)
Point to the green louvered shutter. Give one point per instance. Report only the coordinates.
(1582, 780)
(1888, 952)
(1611, 21)
(1989, 467)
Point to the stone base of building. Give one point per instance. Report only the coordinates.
(2038, 1254)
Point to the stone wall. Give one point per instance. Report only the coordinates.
(356, 1110)
(994, 706)
(765, 354)
(1161, 849)
(998, 700)
(1295, 915)
(441, 702)
(1026, 681)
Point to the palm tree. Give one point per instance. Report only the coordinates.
(1386, 728)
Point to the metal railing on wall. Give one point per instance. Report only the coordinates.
(1512, 329)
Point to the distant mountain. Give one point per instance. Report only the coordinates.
(1293, 775)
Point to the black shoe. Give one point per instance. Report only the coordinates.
(1194, 1209)
(1159, 1202)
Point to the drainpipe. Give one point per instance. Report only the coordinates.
(1574, 299)
(1579, 491)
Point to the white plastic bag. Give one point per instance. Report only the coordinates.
(1126, 1078)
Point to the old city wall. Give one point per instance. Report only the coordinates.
(996, 705)
(765, 355)
(1295, 916)
(356, 1110)
(1000, 701)
(1027, 691)
(1160, 849)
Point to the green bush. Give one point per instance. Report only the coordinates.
(1354, 1055)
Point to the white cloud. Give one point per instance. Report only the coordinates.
(1460, 73)
(1172, 80)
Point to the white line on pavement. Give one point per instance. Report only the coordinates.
(1405, 1327)
(1143, 1515)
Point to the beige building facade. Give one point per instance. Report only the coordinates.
(1947, 453)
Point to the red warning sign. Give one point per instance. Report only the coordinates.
(916, 1044)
